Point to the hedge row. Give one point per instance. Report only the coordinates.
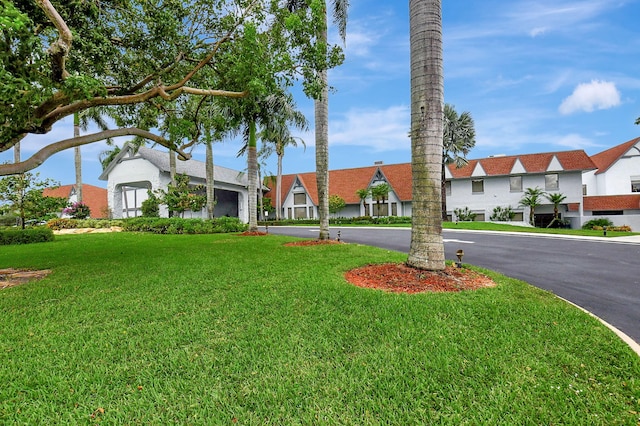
(25, 236)
(360, 220)
(176, 225)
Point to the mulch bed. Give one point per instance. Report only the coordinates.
(252, 234)
(400, 278)
(11, 277)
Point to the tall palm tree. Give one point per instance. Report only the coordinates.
(277, 136)
(363, 194)
(82, 121)
(427, 99)
(321, 109)
(459, 136)
(532, 198)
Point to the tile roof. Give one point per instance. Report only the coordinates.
(605, 159)
(93, 196)
(612, 202)
(577, 160)
(346, 182)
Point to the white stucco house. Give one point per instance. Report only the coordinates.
(133, 172)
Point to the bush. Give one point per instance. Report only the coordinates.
(176, 225)
(597, 222)
(58, 224)
(78, 211)
(62, 223)
(25, 236)
(464, 215)
(503, 214)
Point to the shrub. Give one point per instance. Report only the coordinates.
(60, 223)
(597, 222)
(25, 236)
(151, 206)
(464, 215)
(78, 211)
(503, 214)
(176, 225)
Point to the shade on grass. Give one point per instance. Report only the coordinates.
(189, 329)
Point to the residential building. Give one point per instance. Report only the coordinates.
(94, 197)
(135, 171)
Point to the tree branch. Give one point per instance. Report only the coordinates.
(59, 50)
(39, 157)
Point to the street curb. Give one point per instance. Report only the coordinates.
(625, 338)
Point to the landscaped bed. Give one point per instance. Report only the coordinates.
(217, 329)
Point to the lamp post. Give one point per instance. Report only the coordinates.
(459, 255)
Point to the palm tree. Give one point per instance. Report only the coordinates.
(277, 137)
(427, 116)
(321, 110)
(532, 199)
(363, 194)
(459, 136)
(379, 193)
(81, 121)
(556, 198)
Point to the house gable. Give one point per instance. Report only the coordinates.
(554, 165)
(517, 168)
(605, 159)
(478, 171)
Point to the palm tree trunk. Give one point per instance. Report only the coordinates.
(427, 100)
(322, 143)
(77, 158)
(210, 180)
(279, 188)
(252, 170)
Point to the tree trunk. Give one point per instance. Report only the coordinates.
(443, 193)
(16, 160)
(322, 143)
(252, 170)
(427, 99)
(172, 171)
(77, 158)
(210, 180)
(279, 188)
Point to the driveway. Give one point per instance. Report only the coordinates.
(600, 275)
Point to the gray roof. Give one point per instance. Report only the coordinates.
(193, 168)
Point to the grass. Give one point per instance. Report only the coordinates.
(217, 329)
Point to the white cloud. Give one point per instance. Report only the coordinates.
(537, 31)
(575, 141)
(591, 96)
(379, 130)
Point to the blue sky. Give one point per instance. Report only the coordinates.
(537, 76)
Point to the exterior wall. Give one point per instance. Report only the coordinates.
(497, 192)
(617, 179)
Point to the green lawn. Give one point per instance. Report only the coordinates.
(223, 329)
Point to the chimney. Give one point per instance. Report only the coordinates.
(378, 163)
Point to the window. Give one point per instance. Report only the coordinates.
(310, 212)
(381, 209)
(584, 189)
(447, 187)
(551, 182)
(635, 185)
(394, 209)
(515, 183)
(299, 199)
(477, 186)
(479, 217)
(300, 212)
(289, 213)
(608, 212)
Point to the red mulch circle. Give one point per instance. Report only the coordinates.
(313, 243)
(252, 234)
(400, 278)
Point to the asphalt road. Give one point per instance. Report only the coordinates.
(601, 276)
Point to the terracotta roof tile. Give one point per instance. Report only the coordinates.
(533, 163)
(605, 159)
(612, 202)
